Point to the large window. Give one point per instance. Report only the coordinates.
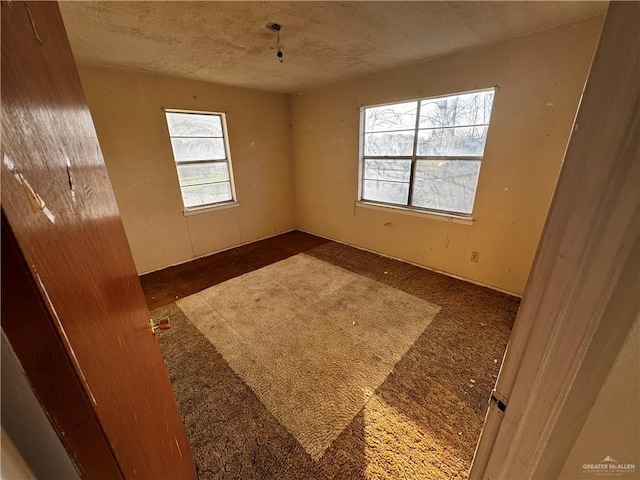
(425, 154)
(201, 153)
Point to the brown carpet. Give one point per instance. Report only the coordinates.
(312, 340)
(421, 422)
(163, 287)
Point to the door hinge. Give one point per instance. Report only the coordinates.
(499, 400)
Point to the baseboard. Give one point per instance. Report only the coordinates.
(217, 251)
(457, 277)
(441, 272)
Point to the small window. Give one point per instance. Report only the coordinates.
(201, 153)
(425, 154)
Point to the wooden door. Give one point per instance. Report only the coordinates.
(72, 304)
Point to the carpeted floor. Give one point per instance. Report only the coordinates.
(420, 420)
(313, 341)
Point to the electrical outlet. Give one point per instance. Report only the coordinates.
(475, 256)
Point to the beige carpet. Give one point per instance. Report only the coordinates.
(312, 340)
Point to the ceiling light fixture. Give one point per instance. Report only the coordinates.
(275, 28)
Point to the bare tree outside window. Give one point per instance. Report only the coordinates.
(200, 151)
(426, 153)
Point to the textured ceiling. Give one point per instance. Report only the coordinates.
(228, 42)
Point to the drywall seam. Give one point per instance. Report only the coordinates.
(292, 160)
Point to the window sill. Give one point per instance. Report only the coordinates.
(210, 208)
(443, 217)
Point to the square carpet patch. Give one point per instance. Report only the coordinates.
(312, 340)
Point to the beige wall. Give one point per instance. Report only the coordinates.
(613, 425)
(540, 79)
(127, 112)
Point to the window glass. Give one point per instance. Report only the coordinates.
(200, 152)
(426, 154)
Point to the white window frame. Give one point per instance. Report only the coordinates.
(209, 206)
(414, 157)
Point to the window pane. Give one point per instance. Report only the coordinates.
(206, 194)
(458, 110)
(445, 184)
(401, 116)
(389, 192)
(194, 125)
(388, 144)
(451, 142)
(396, 170)
(197, 173)
(185, 149)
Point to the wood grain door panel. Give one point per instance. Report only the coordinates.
(59, 205)
(48, 367)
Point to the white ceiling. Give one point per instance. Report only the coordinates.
(228, 42)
